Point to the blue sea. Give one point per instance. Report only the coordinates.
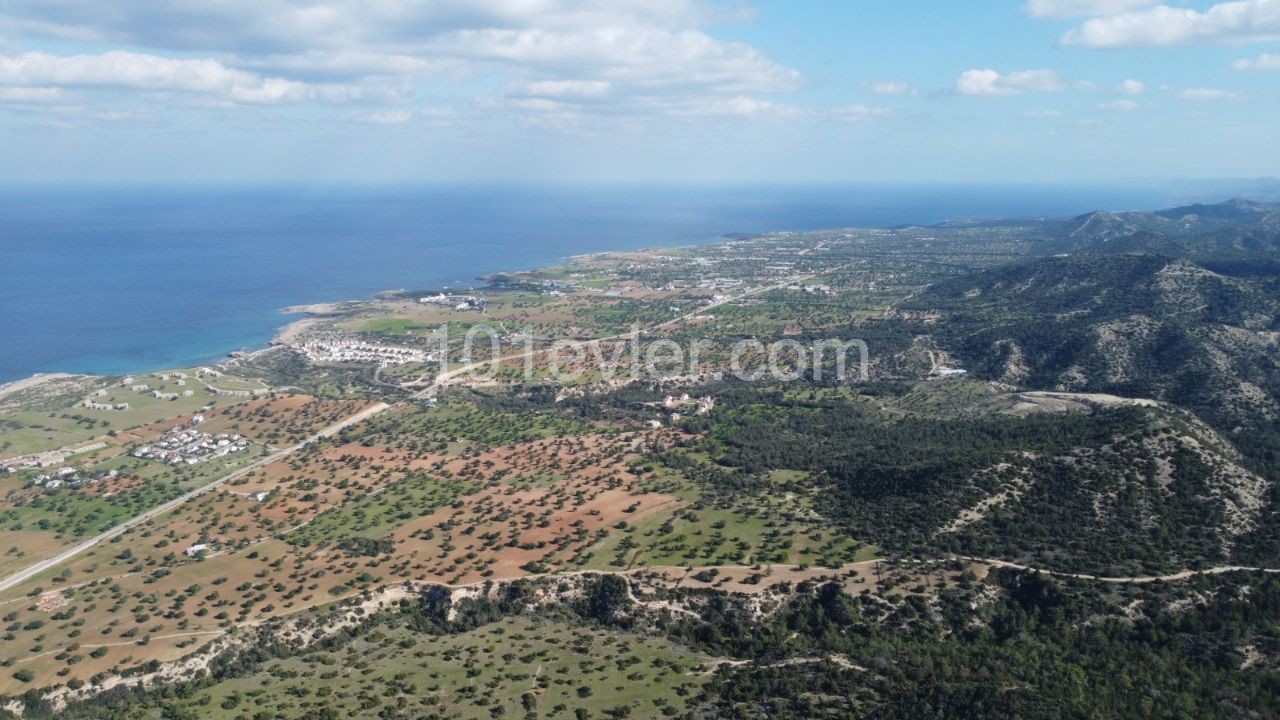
(124, 280)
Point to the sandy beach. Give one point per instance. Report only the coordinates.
(33, 381)
(294, 331)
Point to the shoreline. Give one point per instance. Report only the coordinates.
(312, 314)
(35, 380)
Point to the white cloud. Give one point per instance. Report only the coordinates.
(1238, 21)
(740, 107)
(248, 27)
(1062, 9)
(567, 88)
(640, 57)
(137, 71)
(120, 116)
(988, 82)
(1208, 94)
(345, 64)
(1131, 87)
(32, 94)
(382, 117)
(1043, 114)
(858, 114)
(1265, 61)
(635, 54)
(1119, 105)
(892, 88)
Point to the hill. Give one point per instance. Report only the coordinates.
(1134, 325)
(1226, 236)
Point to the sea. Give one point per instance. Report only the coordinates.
(122, 280)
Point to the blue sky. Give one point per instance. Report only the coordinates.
(638, 90)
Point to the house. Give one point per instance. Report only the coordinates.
(705, 405)
(196, 549)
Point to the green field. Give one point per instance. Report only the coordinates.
(65, 421)
(517, 668)
(770, 527)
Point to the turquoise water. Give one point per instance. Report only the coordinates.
(125, 280)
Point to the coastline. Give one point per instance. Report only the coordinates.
(314, 314)
(36, 380)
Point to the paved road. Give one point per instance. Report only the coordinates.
(440, 382)
(133, 522)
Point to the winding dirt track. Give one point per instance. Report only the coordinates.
(1135, 580)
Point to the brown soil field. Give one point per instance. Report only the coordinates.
(538, 502)
(281, 420)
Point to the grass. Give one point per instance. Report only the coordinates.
(33, 430)
(393, 326)
(79, 513)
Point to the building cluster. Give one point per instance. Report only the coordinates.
(457, 302)
(222, 392)
(188, 446)
(701, 406)
(47, 458)
(558, 288)
(812, 289)
(91, 404)
(349, 350)
(719, 283)
(71, 478)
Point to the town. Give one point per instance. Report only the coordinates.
(188, 446)
(337, 350)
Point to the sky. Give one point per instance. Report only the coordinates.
(751, 91)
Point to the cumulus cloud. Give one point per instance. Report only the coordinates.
(1265, 61)
(130, 70)
(282, 26)
(635, 54)
(990, 83)
(641, 57)
(1062, 9)
(1131, 87)
(1238, 21)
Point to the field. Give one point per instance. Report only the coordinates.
(516, 668)
(53, 416)
(548, 546)
(363, 515)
